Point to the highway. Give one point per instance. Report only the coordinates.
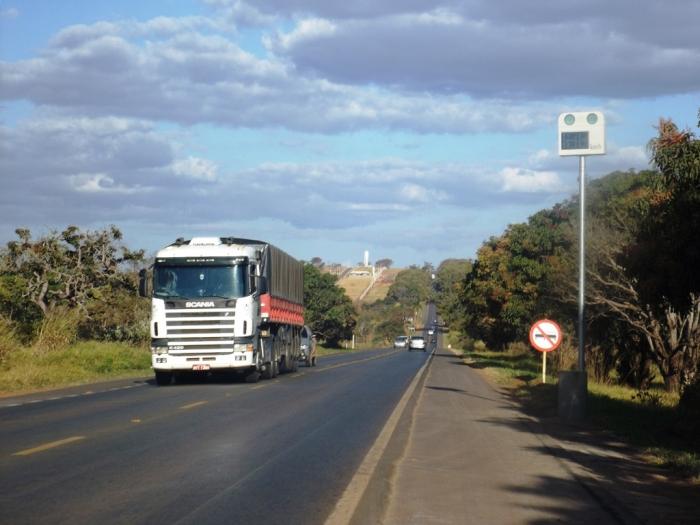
(279, 451)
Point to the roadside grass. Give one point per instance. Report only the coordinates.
(27, 369)
(647, 420)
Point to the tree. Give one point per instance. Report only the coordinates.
(327, 310)
(503, 293)
(384, 263)
(63, 269)
(410, 288)
(317, 262)
(449, 278)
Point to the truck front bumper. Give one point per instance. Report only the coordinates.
(202, 362)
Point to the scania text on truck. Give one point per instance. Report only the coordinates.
(224, 304)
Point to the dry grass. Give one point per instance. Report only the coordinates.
(354, 286)
(381, 287)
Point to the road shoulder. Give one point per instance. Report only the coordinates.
(472, 456)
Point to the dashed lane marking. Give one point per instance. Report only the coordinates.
(69, 396)
(193, 405)
(48, 446)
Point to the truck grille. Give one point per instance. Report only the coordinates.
(207, 330)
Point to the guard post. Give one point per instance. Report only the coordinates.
(580, 134)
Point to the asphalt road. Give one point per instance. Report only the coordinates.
(279, 451)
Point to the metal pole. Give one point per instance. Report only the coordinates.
(582, 263)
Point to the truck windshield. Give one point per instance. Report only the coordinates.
(200, 281)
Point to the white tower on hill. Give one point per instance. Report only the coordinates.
(366, 260)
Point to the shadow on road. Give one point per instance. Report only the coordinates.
(615, 474)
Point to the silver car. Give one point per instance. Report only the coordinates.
(307, 351)
(401, 341)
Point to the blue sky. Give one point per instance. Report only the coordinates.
(415, 129)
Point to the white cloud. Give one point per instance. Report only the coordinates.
(102, 183)
(416, 193)
(516, 50)
(530, 181)
(190, 77)
(195, 168)
(307, 29)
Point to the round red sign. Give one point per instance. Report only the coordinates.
(545, 335)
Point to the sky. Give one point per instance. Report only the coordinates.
(415, 129)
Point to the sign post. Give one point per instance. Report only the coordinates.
(545, 337)
(580, 134)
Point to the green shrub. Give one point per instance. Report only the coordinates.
(116, 315)
(86, 361)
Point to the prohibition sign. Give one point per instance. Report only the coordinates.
(545, 335)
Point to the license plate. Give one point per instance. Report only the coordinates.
(200, 367)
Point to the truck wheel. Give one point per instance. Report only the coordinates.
(269, 371)
(163, 378)
(253, 377)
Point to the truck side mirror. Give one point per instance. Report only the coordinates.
(144, 290)
(262, 284)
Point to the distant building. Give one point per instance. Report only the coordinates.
(366, 260)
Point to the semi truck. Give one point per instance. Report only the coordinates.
(224, 304)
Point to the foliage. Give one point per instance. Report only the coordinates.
(328, 311)
(26, 316)
(70, 282)
(504, 291)
(384, 263)
(8, 338)
(410, 288)
(449, 278)
(381, 321)
(116, 314)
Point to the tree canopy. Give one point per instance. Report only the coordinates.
(328, 310)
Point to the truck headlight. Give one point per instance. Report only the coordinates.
(159, 346)
(243, 347)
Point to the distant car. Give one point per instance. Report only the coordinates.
(401, 341)
(307, 350)
(416, 343)
(431, 331)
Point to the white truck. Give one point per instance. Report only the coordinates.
(224, 304)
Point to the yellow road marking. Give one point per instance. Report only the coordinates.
(136, 420)
(47, 446)
(258, 386)
(192, 405)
